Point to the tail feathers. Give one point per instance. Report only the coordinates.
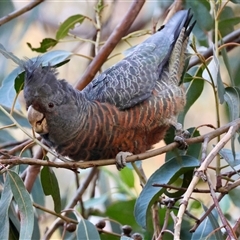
(180, 20)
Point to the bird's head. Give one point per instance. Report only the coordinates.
(48, 100)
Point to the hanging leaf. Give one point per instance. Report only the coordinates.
(50, 187)
(227, 154)
(166, 174)
(232, 99)
(24, 203)
(208, 226)
(227, 64)
(5, 200)
(87, 231)
(193, 92)
(220, 86)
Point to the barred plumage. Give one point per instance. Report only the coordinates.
(127, 108)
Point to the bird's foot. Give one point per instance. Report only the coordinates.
(121, 159)
(180, 137)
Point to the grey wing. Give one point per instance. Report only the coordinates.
(129, 82)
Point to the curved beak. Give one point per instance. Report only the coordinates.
(37, 120)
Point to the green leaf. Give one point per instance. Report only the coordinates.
(166, 174)
(9, 55)
(96, 201)
(235, 1)
(19, 83)
(234, 196)
(38, 194)
(203, 24)
(200, 9)
(227, 21)
(6, 198)
(227, 26)
(227, 154)
(14, 82)
(7, 90)
(87, 231)
(225, 204)
(127, 177)
(69, 24)
(5, 136)
(120, 185)
(232, 99)
(217, 79)
(207, 227)
(45, 45)
(24, 203)
(126, 209)
(227, 64)
(50, 187)
(193, 92)
(54, 58)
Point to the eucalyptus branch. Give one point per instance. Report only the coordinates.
(64, 218)
(110, 44)
(200, 174)
(19, 12)
(143, 156)
(226, 225)
(209, 210)
(168, 186)
(232, 37)
(165, 224)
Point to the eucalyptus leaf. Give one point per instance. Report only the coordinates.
(227, 64)
(234, 196)
(14, 82)
(207, 227)
(50, 186)
(5, 200)
(68, 24)
(193, 92)
(227, 154)
(166, 174)
(87, 231)
(45, 45)
(24, 203)
(232, 98)
(220, 86)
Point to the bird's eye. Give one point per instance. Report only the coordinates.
(50, 105)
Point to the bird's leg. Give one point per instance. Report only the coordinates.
(121, 159)
(180, 135)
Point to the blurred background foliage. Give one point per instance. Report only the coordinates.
(65, 30)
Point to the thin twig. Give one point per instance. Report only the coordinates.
(19, 12)
(196, 190)
(200, 173)
(225, 223)
(231, 37)
(236, 229)
(64, 218)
